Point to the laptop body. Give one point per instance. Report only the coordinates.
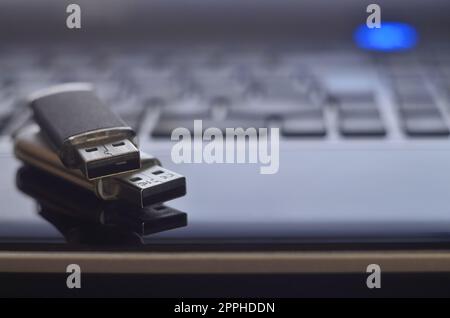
(347, 193)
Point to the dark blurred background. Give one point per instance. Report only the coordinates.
(323, 22)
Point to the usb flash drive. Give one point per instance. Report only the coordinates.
(85, 133)
(150, 185)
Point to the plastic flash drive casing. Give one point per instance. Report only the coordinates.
(84, 132)
(150, 185)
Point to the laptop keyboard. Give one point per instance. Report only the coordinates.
(306, 95)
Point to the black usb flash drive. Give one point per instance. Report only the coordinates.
(85, 133)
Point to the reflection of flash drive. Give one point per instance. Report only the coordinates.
(70, 207)
(85, 133)
(150, 185)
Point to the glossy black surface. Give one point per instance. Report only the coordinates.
(331, 198)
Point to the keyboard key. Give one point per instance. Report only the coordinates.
(275, 97)
(159, 90)
(362, 127)
(168, 122)
(215, 69)
(212, 89)
(358, 115)
(165, 126)
(279, 88)
(308, 125)
(403, 66)
(189, 107)
(108, 91)
(417, 97)
(425, 126)
(419, 110)
(418, 105)
(231, 122)
(409, 83)
(356, 104)
(354, 98)
(358, 111)
(274, 111)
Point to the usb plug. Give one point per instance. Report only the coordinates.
(109, 159)
(151, 185)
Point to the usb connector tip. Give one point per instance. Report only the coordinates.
(151, 185)
(109, 159)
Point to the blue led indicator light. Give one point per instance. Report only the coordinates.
(391, 37)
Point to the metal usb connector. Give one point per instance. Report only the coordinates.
(150, 183)
(109, 159)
